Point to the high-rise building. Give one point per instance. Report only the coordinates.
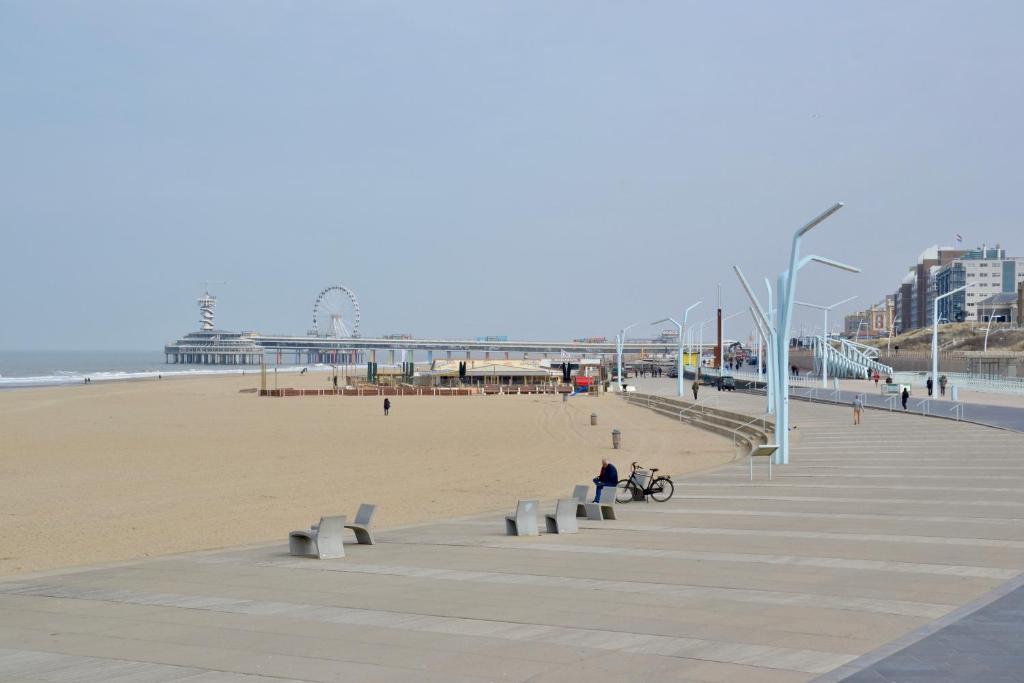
(987, 269)
(922, 285)
(904, 300)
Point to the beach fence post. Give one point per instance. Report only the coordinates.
(616, 439)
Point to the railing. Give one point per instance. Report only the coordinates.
(702, 405)
(963, 380)
(891, 400)
(763, 419)
(925, 405)
(959, 408)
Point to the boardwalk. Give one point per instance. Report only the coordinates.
(872, 533)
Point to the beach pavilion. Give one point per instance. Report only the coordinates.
(446, 373)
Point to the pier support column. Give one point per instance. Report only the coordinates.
(430, 358)
(391, 356)
(467, 355)
(448, 355)
(487, 355)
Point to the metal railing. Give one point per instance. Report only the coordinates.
(959, 408)
(763, 419)
(963, 380)
(925, 404)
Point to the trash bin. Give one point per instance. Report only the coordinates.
(616, 438)
(593, 419)
(953, 393)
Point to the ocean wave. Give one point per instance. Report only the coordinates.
(71, 377)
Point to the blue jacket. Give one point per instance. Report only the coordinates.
(609, 475)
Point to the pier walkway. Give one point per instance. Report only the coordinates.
(869, 537)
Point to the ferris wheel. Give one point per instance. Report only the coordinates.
(335, 313)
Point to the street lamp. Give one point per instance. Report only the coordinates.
(721, 355)
(824, 331)
(700, 343)
(786, 294)
(620, 340)
(892, 329)
(860, 323)
(679, 355)
(935, 331)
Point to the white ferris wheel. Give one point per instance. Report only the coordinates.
(336, 313)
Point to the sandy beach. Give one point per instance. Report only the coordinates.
(119, 471)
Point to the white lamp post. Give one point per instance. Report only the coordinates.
(721, 340)
(679, 355)
(824, 330)
(620, 340)
(935, 332)
(700, 343)
(787, 291)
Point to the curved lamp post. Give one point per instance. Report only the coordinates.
(620, 340)
(679, 355)
(780, 331)
(721, 340)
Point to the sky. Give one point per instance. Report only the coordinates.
(541, 170)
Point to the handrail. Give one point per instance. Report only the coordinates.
(764, 427)
(959, 408)
(925, 404)
(891, 400)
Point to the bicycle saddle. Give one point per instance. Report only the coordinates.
(654, 469)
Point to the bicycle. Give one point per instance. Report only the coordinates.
(659, 488)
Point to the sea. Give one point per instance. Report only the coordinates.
(54, 368)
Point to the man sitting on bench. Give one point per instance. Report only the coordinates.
(609, 476)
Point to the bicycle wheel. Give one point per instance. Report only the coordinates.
(662, 489)
(624, 491)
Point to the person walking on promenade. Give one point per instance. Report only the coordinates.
(904, 397)
(858, 408)
(876, 377)
(608, 476)
(929, 385)
(387, 405)
(943, 380)
(695, 387)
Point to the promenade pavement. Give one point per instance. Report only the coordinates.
(872, 534)
(1005, 411)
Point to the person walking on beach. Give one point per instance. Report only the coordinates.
(942, 385)
(608, 476)
(858, 408)
(905, 396)
(695, 387)
(387, 405)
(929, 385)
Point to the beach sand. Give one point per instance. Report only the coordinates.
(118, 471)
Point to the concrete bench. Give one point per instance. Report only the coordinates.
(323, 542)
(581, 493)
(564, 519)
(524, 522)
(363, 525)
(605, 507)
